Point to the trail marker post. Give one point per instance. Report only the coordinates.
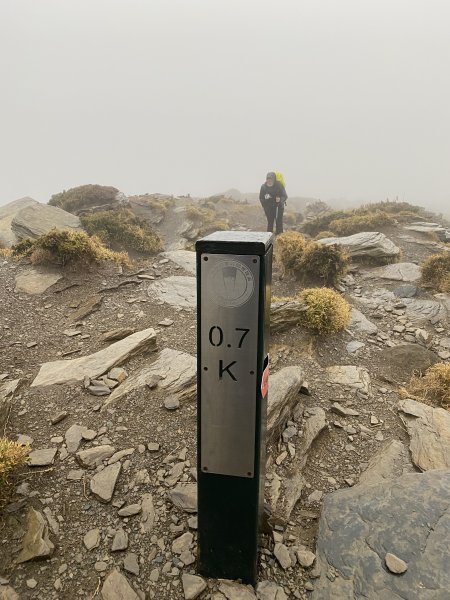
(234, 274)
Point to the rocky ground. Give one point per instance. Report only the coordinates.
(97, 372)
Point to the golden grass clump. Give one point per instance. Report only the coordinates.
(357, 223)
(206, 218)
(83, 197)
(122, 228)
(5, 252)
(324, 234)
(67, 247)
(326, 311)
(309, 260)
(434, 386)
(12, 455)
(436, 271)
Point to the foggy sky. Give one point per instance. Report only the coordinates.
(348, 98)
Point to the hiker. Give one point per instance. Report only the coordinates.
(273, 198)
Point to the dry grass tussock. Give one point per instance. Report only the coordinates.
(207, 218)
(5, 252)
(67, 247)
(326, 311)
(83, 197)
(436, 271)
(433, 387)
(120, 227)
(12, 455)
(309, 260)
(364, 218)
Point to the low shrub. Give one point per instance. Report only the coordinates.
(12, 456)
(290, 218)
(67, 247)
(121, 227)
(206, 218)
(434, 386)
(324, 234)
(309, 260)
(436, 271)
(84, 196)
(326, 311)
(5, 252)
(371, 221)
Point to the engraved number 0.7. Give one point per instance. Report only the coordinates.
(216, 335)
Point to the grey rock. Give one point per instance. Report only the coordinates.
(120, 541)
(75, 475)
(171, 403)
(283, 503)
(184, 496)
(119, 455)
(405, 291)
(395, 564)
(182, 543)
(366, 243)
(396, 272)
(422, 311)
(177, 373)
(130, 563)
(285, 314)
(389, 462)
(94, 365)
(193, 586)
(282, 555)
(118, 374)
(92, 539)
(42, 458)
(400, 362)
(166, 322)
(130, 510)
(429, 431)
(93, 457)
(73, 437)
(103, 483)
(409, 517)
(113, 335)
(8, 593)
(269, 590)
(285, 386)
(36, 543)
(90, 305)
(236, 591)
(7, 214)
(175, 290)
(359, 322)
(38, 219)
(351, 376)
(354, 346)
(99, 390)
(305, 557)
(7, 391)
(36, 281)
(183, 258)
(116, 587)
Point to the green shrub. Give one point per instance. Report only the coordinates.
(67, 247)
(326, 311)
(433, 386)
(308, 260)
(12, 455)
(121, 227)
(436, 271)
(84, 196)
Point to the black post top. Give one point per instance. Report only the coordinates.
(235, 242)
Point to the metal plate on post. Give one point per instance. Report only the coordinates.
(229, 337)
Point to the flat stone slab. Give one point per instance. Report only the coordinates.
(175, 290)
(104, 482)
(367, 243)
(408, 517)
(429, 431)
(94, 365)
(42, 458)
(37, 219)
(420, 311)
(36, 281)
(116, 587)
(285, 314)
(182, 258)
(389, 462)
(397, 272)
(401, 361)
(351, 376)
(173, 371)
(36, 544)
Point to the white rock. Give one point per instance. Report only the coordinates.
(116, 587)
(193, 586)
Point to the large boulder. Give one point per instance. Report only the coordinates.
(400, 362)
(7, 214)
(35, 281)
(37, 219)
(366, 243)
(408, 517)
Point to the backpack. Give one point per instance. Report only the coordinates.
(280, 178)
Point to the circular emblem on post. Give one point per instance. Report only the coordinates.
(230, 283)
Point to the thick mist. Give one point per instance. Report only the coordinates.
(348, 99)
